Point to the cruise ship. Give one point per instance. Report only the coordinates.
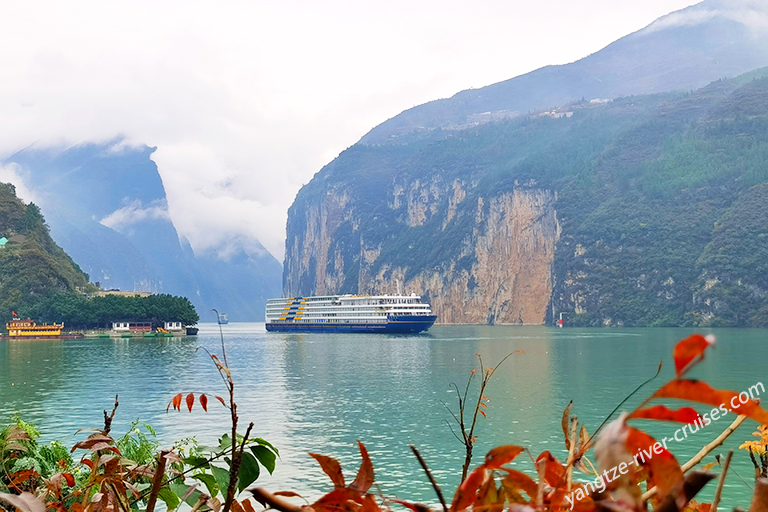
(349, 313)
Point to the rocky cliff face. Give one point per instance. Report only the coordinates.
(500, 274)
(641, 211)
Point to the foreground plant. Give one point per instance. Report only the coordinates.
(129, 473)
(628, 459)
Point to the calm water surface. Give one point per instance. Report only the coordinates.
(321, 392)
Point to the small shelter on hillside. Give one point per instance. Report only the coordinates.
(3, 241)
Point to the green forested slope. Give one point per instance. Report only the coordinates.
(661, 203)
(32, 266)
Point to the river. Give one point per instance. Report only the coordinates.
(321, 392)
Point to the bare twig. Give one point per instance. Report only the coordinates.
(157, 481)
(108, 419)
(429, 475)
(720, 482)
(719, 440)
(573, 439)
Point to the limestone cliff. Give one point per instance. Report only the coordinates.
(635, 212)
(501, 274)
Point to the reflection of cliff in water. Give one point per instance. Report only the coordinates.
(388, 391)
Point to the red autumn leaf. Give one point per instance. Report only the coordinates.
(204, 402)
(287, 494)
(659, 412)
(554, 471)
(190, 401)
(335, 500)
(564, 423)
(501, 455)
(332, 468)
(175, 403)
(487, 496)
(364, 479)
(698, 391)
(663, 470)
(515, 480)
(369, 504)
(69, 479)
(483, 413)
(87, 462)
(247, 506)
(415, 507)
(690, 351)
(221, 400)
(465, 494)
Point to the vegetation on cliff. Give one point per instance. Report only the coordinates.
(39, 280)
(660, 207)
(32, 266)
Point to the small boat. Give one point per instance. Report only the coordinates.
(223, 319)
(350, 313)
(192, 331)
(29, 329)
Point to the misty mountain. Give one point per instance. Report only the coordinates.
(683, 51)
(106, 206)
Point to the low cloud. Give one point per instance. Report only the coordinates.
(246, 101)
(751, 13)
(135, 212)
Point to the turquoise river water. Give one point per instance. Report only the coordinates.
(321, 392)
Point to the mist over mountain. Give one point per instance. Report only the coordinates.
(684, 50)
(625, 189)
(106, 206)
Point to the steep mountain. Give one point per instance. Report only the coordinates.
(106, 206)
(644, 210)
(684, 50)
(32, 266)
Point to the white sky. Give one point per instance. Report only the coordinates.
(247, 100)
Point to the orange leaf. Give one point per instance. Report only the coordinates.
(336, 500)
(659, 412)
(516, 480)
(416, 507)
(190, 401)
(564, 423)
(204, 402)
(501, 455)
(690, 351)
(364, 479)
(465, 494)
(554, 471)
(247, 506)
(332, 468)
(483, 413)
(698, 391)
(221, 400)
(69, 479)
(287, 494)
(663, 469)
(176, 402)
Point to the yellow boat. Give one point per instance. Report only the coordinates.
(29, 329)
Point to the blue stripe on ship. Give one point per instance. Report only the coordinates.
(394, 324)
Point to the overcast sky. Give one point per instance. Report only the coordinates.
(245, 101)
